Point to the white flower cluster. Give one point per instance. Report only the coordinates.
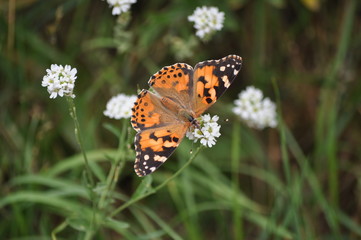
(207, 20)
(255, 111)
(208, 132)
(60, 80)
(120, 106)
(120, 6)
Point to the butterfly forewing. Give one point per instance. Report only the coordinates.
(211, 79)
(174, 82)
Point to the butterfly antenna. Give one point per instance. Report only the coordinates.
(201, 131)
(138, 88)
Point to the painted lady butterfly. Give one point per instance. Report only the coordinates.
(184, 94)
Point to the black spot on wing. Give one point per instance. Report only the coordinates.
(206, 92)
(152, 136)
(209, 100)
(202, 79)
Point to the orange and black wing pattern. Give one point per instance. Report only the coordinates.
(211, 79)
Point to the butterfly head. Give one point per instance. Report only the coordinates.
(195, 123)
(190, 118)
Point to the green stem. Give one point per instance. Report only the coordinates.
(282, 131)
(72, 111)
(235, 157)
(89, 235)
(115, 168)
(293, 206)
(58, 229)
(134, 200)
(259, 33)
(328, 111)
(89, 177)
(331, 120)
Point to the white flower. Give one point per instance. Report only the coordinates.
(207, 20)
(120, 6)
(60, 80)
(208, 132)
(254, 110)
(120, 106)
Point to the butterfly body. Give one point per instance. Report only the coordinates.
(183, 94)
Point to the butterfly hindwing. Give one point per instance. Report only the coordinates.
(211, 79)
(159, 132)
(154, 146)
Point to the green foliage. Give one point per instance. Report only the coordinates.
(300, 181)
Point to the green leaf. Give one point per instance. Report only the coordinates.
(62, 206)
(59, 184)
(111, 128)
(79, 222)
(144, 187)
(76, 161)
(116, 225)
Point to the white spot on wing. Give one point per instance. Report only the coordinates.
(160, 158)
(226, 81)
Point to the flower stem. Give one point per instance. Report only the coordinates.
(134, 200)
(235, 158)
(89, 176)
(115, 168)
(72, 111)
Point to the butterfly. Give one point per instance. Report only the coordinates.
(182, 95)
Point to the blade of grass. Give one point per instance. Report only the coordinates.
(259, 34)
(75, 161)
(54, 183)
(292, 212)
(235, 158)
(167, 228)
(326, 137)
(311, 177)
(145, 224)
(62, 206)
(188, 202)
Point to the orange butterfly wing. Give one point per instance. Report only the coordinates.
(160, 132)
(212, 78)
(176, 83)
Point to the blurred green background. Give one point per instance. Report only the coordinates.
(299, 181)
